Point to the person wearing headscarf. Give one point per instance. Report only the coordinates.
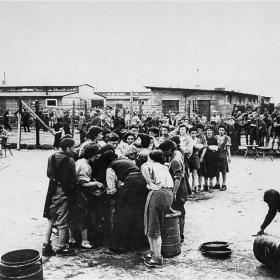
(94, 135)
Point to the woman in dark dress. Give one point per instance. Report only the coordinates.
(210, 167)
(125, 181)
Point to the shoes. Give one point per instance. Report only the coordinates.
(86, 245)
(147, 256)
(173, 211)
(95, 247)
(47, 250)
(154, 262)
(198, 188)
(117, 250)
(191, 195)
(64, 252)
(205, 188)
(210, 189)
(223, 188)
(217, 187)
(195, 190)
(73, 244)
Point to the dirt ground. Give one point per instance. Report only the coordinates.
(231, 216)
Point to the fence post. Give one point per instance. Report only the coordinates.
(19, 123)
(131, 106)
(73, 118)
(37, 124)
(86, 114)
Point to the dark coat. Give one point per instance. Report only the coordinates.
(61, 170)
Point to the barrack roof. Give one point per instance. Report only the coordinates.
(204, 90)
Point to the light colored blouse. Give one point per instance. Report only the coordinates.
(159, 174)
(83, 171)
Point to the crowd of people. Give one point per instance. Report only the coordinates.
(129, 171)
(122, 182)
(259, 126)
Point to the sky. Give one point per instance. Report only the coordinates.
(127, 45)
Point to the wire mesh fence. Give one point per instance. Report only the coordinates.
(69, 114)
(72, 116)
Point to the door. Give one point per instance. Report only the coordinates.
(170, 105)
(203, 107)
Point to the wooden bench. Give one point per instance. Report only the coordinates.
(251, 150)
(263, 151)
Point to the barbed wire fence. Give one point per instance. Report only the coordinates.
(42, 134)
(69, 113)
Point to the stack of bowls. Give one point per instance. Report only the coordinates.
(216, 249)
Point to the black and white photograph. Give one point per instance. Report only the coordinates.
(139, 140)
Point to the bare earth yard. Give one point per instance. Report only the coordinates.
(232, 216)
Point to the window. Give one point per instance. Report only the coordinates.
(97, 103)
(203, 108)
(51, 102)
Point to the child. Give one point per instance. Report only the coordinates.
(224, 156)
(194, 162)
(159, 201)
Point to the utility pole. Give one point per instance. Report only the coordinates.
(4, 80)
(86, 114)
(37, 124)
(73, 117)
(131, 106)
(19, 123)
(197, 79)
(140, 103)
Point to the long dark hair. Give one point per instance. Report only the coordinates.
(107, 155)
(145, 140)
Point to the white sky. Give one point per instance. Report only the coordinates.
(126, 45)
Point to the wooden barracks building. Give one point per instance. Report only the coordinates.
(201, 100)
(50, 96)
(158, 99)
(184, 100)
